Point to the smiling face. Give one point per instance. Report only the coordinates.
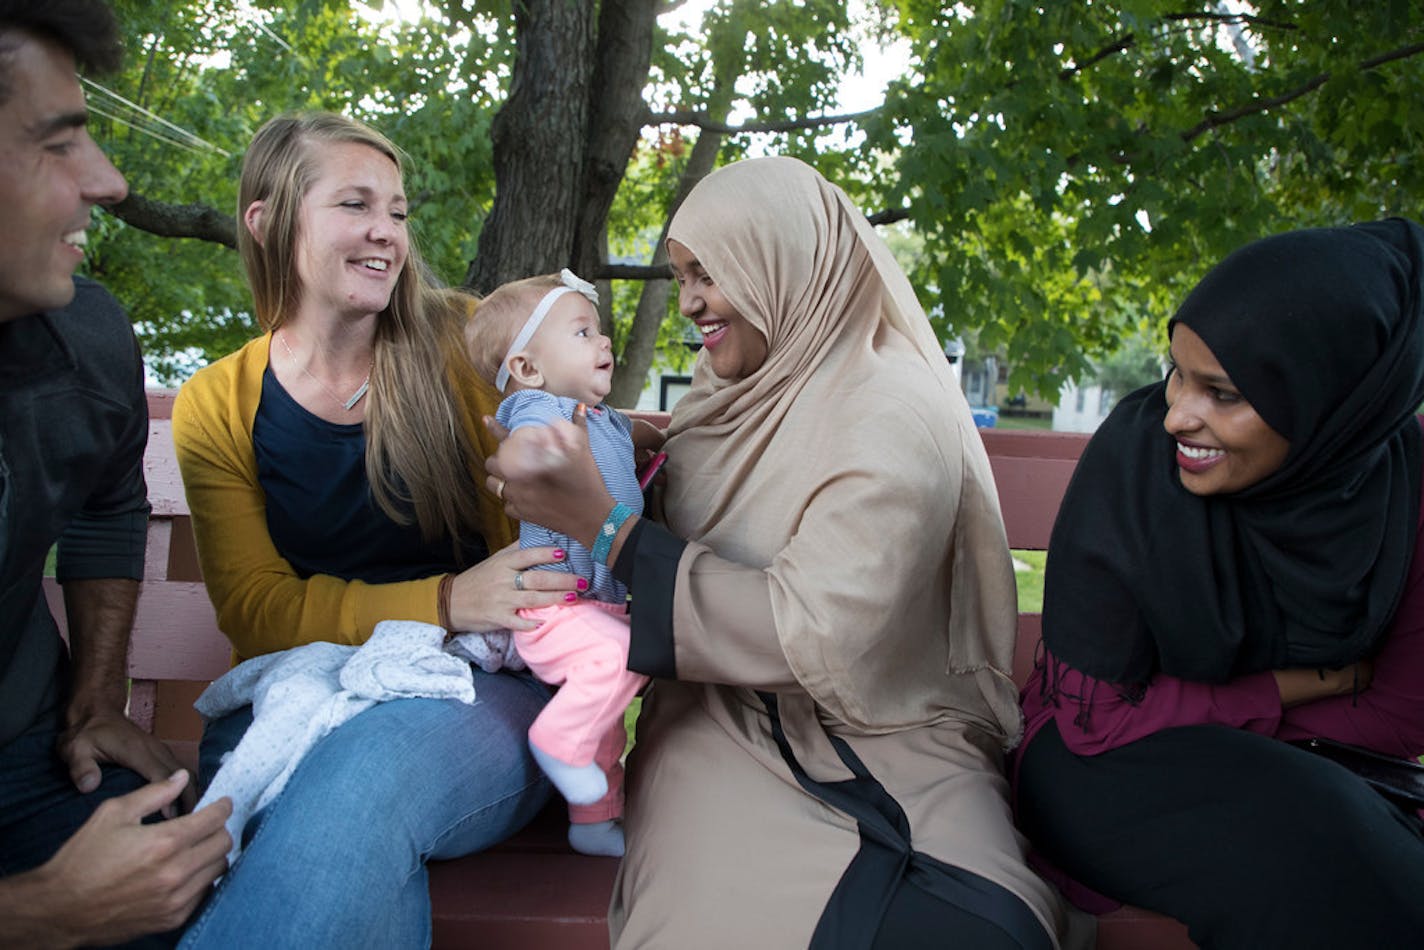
(351, 234)
(735, 348)
(568, 356)
(51, 176)
(1223, 445)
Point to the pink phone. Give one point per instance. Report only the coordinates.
(651, 468)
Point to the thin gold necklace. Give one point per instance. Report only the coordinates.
(347, 404)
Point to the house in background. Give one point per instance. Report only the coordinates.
(1085, 403)
(979, 376)
(1082, 407)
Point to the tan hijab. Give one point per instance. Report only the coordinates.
(847, 466)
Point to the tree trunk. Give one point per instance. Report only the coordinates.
(641, 345)
(638, 350)
(540, 139)
(617, 114)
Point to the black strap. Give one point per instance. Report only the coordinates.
(647, 565)
(887, 861)
(853, 914)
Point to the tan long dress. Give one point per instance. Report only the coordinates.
(846, 554)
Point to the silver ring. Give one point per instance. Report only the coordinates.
(499, 490)
(518, 580)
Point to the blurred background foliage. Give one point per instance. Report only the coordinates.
(1053, 176)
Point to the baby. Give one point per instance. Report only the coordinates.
(538, 341)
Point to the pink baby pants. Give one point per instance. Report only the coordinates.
(583, 649)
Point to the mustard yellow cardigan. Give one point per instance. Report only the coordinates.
(262, 605)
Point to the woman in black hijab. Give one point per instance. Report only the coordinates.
(1236, 563)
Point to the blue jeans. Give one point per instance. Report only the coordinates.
(338, 859)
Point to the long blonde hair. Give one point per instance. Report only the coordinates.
(419, 457)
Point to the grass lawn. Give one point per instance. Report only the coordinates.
(1023, 422)
(630, 719)
(1028, 571)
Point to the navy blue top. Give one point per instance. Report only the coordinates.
(320, 513)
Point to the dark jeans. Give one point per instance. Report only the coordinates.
(40, 808)
(1250, 842)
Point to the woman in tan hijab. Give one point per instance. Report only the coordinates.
(829, 612)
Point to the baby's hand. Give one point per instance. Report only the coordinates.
(647, 438)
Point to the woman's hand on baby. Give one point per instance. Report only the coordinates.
(534, 450)
(487, 596)
(568, 496)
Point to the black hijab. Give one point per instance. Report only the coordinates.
(1322, 332)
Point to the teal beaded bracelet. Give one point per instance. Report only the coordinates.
(609, 531)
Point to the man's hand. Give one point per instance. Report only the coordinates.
(96, 737)
(117, 878)
(101, 612)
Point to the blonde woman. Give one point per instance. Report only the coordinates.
(332, 469)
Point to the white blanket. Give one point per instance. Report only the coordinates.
(300, 695)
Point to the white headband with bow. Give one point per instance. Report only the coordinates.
(572, 284)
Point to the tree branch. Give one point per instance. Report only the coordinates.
(1215, 120)
(1128, 40)
(888, 216)
(1124, 43)
(663, 272)
(632, 272)
(180, 221)
(1229, 19)
(700, 120)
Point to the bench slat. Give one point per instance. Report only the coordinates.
(160, 471)
(1030, 490)
(176, 635)
(522, 899)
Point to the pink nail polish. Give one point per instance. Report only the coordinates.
(582, 584)
(559, 554)
(570, 597)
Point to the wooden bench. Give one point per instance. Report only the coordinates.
(532, 891)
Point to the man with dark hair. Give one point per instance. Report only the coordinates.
(78, 863)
